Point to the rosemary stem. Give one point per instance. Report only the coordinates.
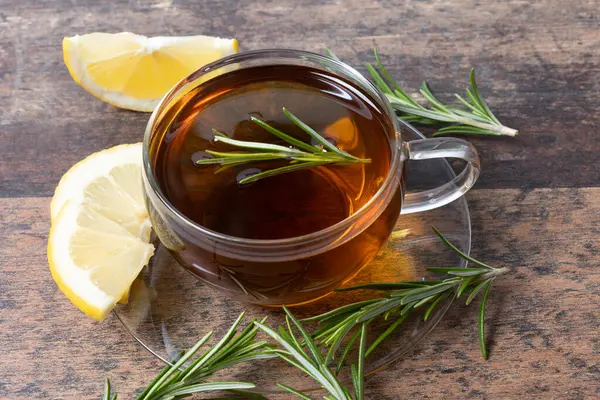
(501, 129)
(494, 272)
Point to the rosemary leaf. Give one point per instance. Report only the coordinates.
(175, 368)
(464, 272)
(385, 334)
(340, 310)
(464, 285)
(154, 382)
(476, 290)
(208, 387)
(424, 301)
(196, 365)
(331, 54)
(379, 82)
(385, 286)
(346, 351)
(294, 392)
(279, 171)
(106, 389)
(255, 145)
(378, 308)
(457, 251)
(433, 305)
(460, 129)
(286, 356)
(291, 140)
(421, 293)
(397, 90)
(246, 395)
(355, 379)
(307, 339)
(362, 348)
(338, 337)
(407, 308)
(481, 321)
(313, 134)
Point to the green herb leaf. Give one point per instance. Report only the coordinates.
(106, 389)
(387, 286)
(294, 392)
(459, 271)
(432, 306)
(385, 334)
(421, 293)
(481, 321)
(457, 251)
(476, 290)
(346, 351)
(331, 54)
(464, 285)
(362, 348)
(209, 387)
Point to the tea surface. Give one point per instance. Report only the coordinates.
(287, 205)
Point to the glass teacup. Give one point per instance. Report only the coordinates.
(298, 269)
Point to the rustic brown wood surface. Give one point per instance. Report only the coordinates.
(536, 207)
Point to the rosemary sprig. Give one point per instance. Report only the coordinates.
(476, 119)
(311, 361)
(179, 380)
(300, 154)
(403, 298)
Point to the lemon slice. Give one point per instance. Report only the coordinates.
(99, 239)
(134, 71)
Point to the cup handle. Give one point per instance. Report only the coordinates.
(425, 149)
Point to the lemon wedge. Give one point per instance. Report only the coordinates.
(99, 238)
(134, 71)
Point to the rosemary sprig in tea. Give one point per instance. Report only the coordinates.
(314, 353)
(300, 154)
(476, 119)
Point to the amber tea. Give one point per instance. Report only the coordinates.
(284, 206)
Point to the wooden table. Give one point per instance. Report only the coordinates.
(535, 209)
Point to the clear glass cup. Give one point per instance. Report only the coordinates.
(296, 270)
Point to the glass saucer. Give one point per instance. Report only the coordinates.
(170, 310)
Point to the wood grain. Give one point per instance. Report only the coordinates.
(536, 209)
(543, 319)
(536, 60)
